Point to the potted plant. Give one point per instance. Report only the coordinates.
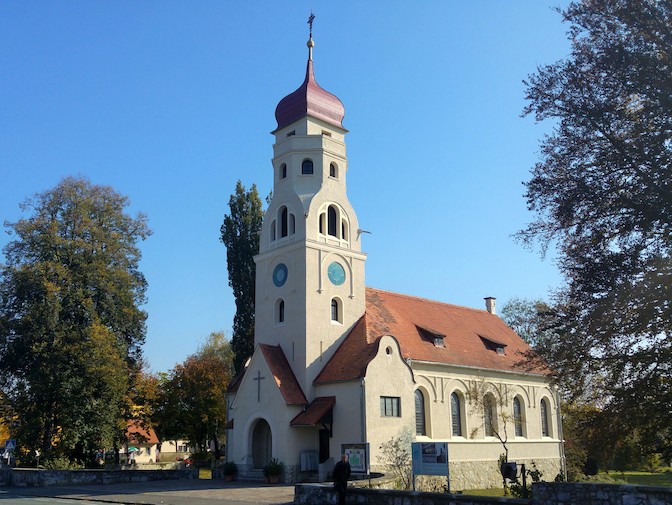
(230, 470)
(273, 469)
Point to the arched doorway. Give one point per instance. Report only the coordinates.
(261, 443)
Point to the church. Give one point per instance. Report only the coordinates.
(338, 363)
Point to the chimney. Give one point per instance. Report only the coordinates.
(490, 304)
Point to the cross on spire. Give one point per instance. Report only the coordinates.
(311, 18)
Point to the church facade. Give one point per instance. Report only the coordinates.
(338, 363)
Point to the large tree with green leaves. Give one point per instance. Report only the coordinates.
(71, 327)
(240, 235)
(602, 194)
(192, 403)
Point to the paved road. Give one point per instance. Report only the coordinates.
(165, 492)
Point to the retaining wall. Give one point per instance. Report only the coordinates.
(543, 493)
(571, 493)
(27, 477)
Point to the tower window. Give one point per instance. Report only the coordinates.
(331, 221)
(336, 310)
(292, 224)
(307, 167)
(333, 170)
(283, 222)
(283, 171)
(280, 311)
(273, 231)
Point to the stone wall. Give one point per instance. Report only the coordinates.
(486, 474)
(571, 493)
(543, 493)
(27, 477)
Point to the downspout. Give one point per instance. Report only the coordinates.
(364, 437)
(362, 409)
(563, 460)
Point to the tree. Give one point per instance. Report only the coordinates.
(193, 403)
(529, 319)
(71, 328)
(602, 195)
(396, 456)
(240, 235)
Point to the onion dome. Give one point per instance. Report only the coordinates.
(310, 100)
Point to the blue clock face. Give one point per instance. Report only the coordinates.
(280, 274)
(336, 273)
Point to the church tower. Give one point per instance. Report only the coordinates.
(310, 268)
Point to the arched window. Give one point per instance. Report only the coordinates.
(490, 416)
(280, 311)
(543, 410)
(283, 222)
(336, 310)
(456, 414)
(283, 171)
(419, 413)
(517, 417)
(307, 167)
(333, 170)
(292, 224)
(332, 221)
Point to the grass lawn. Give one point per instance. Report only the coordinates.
(662, 479)
(644, 478)
(498, 491)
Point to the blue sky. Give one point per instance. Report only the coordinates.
(171, 102)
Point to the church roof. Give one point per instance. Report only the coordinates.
(426, 331)
(310, 100)
(282, 373)
(316, 412)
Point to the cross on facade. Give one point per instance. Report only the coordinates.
(258, 378)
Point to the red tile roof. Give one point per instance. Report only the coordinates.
(138, 435)
(283, 375)
(314, 413)
(410, 320)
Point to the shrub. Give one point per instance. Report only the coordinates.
(273, 468)
(230, 468)
(62, 463)
(396, 456)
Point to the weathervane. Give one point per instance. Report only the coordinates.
(311, 18)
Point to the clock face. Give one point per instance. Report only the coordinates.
(280, 274)
(336, 273)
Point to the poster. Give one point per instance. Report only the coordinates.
(357, 456)
(430, 458)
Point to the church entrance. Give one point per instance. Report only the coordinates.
(261, 443)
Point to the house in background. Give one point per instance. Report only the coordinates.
(338, 363)
(142, 445)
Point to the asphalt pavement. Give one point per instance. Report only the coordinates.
(167, 492)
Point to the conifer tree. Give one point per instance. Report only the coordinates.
(240, 235)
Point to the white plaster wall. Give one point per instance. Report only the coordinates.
(387, 375)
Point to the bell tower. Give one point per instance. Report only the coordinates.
(310, 268)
